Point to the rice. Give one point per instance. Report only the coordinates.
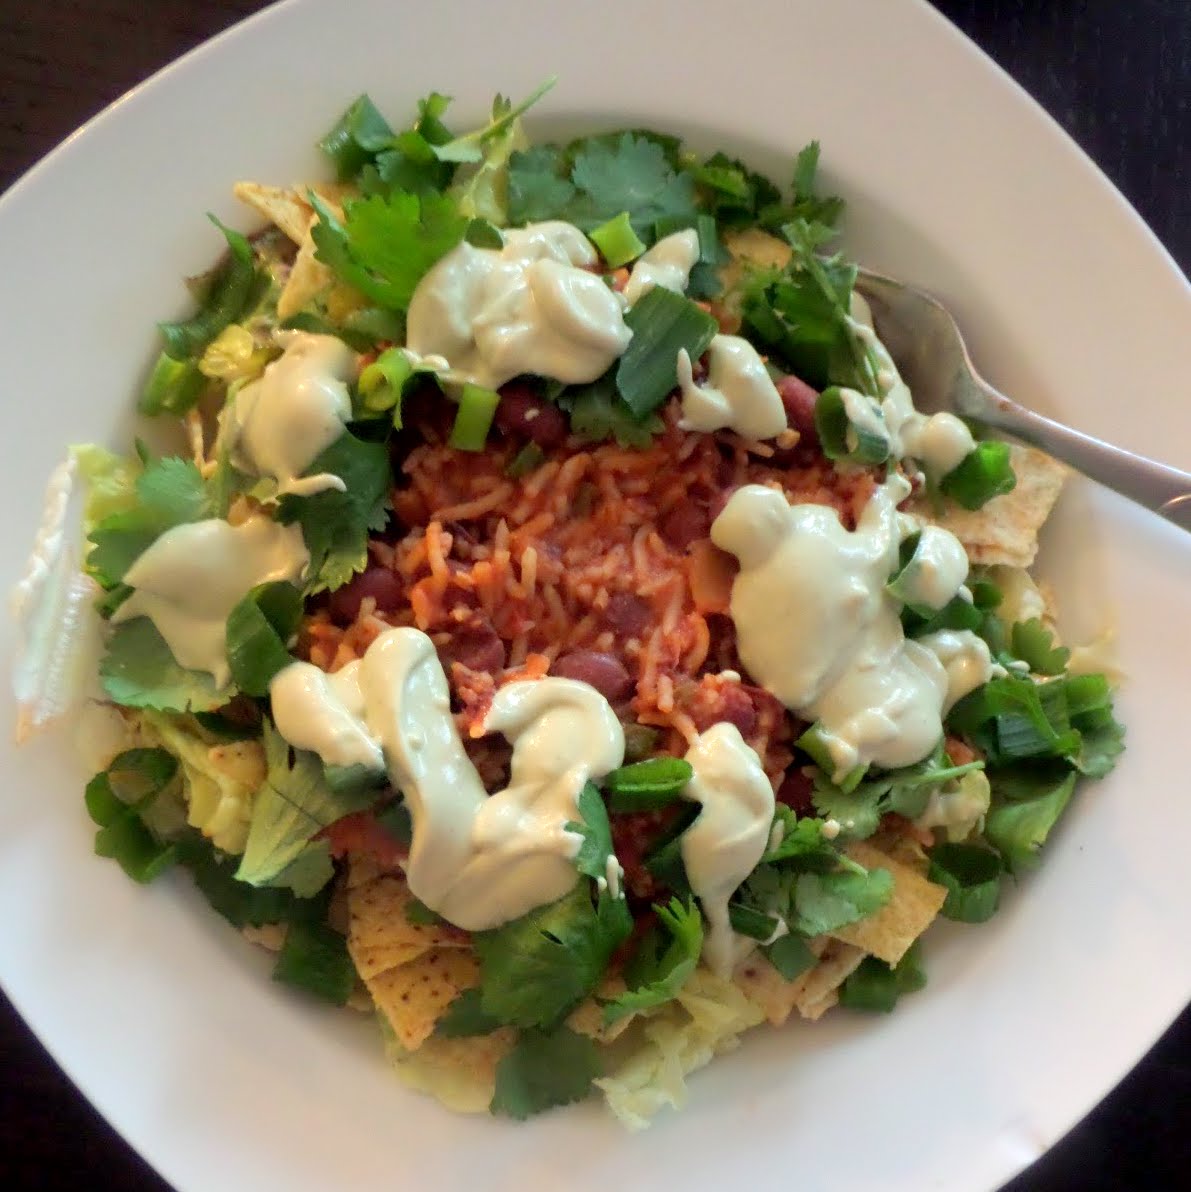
(509, 575)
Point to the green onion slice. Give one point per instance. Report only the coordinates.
(853, 436)
(477, 408)
(645, 786)
(663, 324)
(985, 473)
(617, 242)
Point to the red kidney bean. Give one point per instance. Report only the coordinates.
(684, 524)
(738, 709)
(627, 614)
(475, 645)
(795, 792)
(378, 582)
(601, 671)
(799, 400)
(522, 412)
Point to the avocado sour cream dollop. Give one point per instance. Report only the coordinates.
(190, 579)
(532, 306)
(817, 629)
(478, 860)
(278, 425)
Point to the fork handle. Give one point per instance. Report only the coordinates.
(1158, 487)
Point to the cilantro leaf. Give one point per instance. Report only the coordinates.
(802, 845)
(335, 525)
(823, 211)
(629, 174)
(169, 492)
(858, 812)
(828, 901)
(596, 849)
(471, 146)
(139, 670)
(464, 1018)
(1099, 748)
(536, 969)
(662, 965)
(291, 808)
(359, 134)
(539, 186)
(1034, 644)
(240, 904)
(545, 1070)
(314, 959)
(802, 314)
(598, 413)
(384, 246)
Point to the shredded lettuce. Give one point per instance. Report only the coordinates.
(647, 1071)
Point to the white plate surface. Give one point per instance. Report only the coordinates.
(956, 180)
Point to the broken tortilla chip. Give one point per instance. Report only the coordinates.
(282, 207)
(308, 278)
(381, 937)
(767, 989)
(414, 996)
(820, 990)
(889, 932)
(1005, 531)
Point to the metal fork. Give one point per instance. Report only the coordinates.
(922, 336)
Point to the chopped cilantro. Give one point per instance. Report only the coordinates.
(335, 525)
(825, 902)
(544, 1070)
(465, 1018)
(598, 412)
(536, 969)
(596, 849)
(139, 670)
(117, 797)
(314, 959)
(1034, 644)
(385, 245)
(1018, 829)
(662, 964)
(169, 492)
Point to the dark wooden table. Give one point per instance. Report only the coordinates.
(1116, 75)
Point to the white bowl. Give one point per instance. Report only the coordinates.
(161, 1014)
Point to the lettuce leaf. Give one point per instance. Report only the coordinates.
(290, 809)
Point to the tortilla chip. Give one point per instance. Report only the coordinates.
(461, 1073)
(889, 932)
(1005, 531)
(767, 989)
(820, 990)
(284, 208)
(363, 868)
(308, 277)
(381, 937)
(414, 996)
